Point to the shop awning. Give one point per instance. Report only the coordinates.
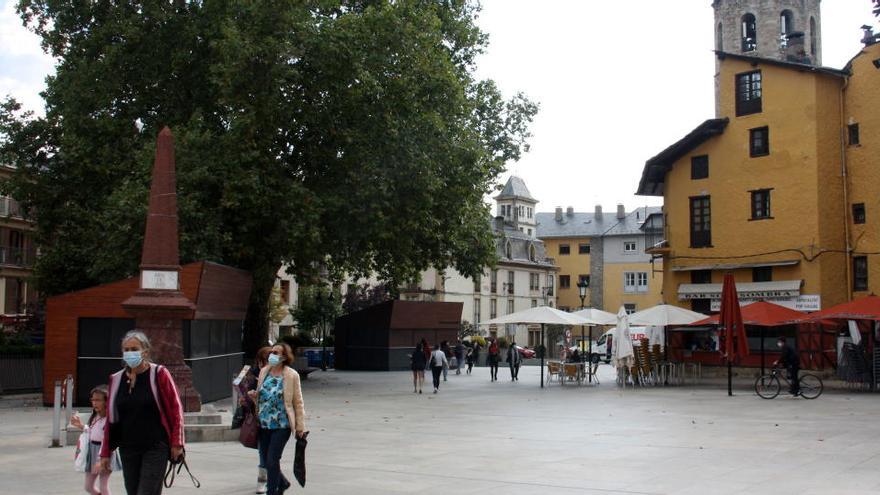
(733, 266)
(748, 290)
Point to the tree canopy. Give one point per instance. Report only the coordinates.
(346, 135)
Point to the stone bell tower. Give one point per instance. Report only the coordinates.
(788, 30)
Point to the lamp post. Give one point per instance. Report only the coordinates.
(324, 318)
(582, 286)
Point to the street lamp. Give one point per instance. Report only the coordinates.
(582, 286)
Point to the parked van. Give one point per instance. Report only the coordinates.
(603, 345)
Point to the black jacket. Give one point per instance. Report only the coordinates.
(789, 357)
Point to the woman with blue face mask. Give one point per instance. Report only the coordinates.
(144, 418)
(280, 410)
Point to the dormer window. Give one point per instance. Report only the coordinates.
(508, 250)
(533, 253)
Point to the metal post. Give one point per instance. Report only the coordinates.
(56, 416)
(762, 354)
(590, 354)
(68, 400)
(543, 350)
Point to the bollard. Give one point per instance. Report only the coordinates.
(56, 416)
(69, 400)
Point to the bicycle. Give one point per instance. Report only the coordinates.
(768, 386)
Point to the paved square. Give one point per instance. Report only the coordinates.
(371, 435)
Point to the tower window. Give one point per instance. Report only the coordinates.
(749, 33)
(564, 249)
(858, 212)
(701, 226)
(786, 26)
(761, 204)
(759, 142)
(853, 131)
(719, 38)
(700, 167)
(748, 93)
(860, 273)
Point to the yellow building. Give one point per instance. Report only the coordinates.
(769, 189)
(605, 250)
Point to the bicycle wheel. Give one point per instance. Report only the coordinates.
(767, 386)
(810, 386)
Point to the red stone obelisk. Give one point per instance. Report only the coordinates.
(159, 307)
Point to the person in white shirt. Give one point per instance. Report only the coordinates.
(438, 362)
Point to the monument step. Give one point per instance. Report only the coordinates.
(203, 418)
(210, 433)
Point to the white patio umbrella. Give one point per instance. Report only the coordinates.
(622, 354)
(665, 314)
(597, 316)
(541, 315)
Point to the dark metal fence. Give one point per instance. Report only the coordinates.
(20, 373)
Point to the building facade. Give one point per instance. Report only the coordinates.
(17, 255)
(523, 278)
(605, 250)
(777, 188)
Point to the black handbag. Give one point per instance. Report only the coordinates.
(238, 417)
(299, 462)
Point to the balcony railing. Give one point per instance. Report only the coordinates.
(15, 256)
(11, 208)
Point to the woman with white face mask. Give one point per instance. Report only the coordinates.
(144, 418)
(280, 410)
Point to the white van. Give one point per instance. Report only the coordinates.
(601, 349)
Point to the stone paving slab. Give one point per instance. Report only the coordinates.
(371, 435)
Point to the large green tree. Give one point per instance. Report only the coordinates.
(346, 135)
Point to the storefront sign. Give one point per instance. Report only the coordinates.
(805, 303)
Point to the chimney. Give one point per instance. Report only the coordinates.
(598, 213)
(621, 212)
(558, 213)
(569, 212)
(870, 38)
(499, 223)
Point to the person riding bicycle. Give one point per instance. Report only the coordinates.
(791, 361)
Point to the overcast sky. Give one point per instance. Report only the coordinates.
(617, 82)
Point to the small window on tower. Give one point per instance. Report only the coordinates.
(699, 167)
(853, 132)
(858, 213)
(749, 33)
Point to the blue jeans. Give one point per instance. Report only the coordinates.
(271, 446)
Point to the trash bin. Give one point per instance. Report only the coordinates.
(314, 357)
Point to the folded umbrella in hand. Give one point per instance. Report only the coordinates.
(299, 462)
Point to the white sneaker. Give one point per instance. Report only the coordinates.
(261, 488)
(261, 481)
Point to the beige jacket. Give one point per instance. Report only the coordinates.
(293, 399)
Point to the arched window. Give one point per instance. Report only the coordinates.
(749, 33)
(533, 254)
(719, 38)
(813, 36)
(508, 250)
(786, 26)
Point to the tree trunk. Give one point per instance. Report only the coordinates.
(256, 323)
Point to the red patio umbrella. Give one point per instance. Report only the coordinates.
(761, 313)
(863, 308)
(734, 345)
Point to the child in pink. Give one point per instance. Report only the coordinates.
(95, 429)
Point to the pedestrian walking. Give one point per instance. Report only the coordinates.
(493, 358)
(438, 363)
(418, 365)
(280, 409)
(447, 351)
(94, 428)
(469, 357)
(247, 384)
(144, 418)
(514, 360)
(459, 356)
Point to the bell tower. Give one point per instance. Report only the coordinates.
(788, 30)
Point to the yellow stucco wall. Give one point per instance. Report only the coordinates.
(573, 264)
(862, 98)
(615, 297)
(802, 112)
